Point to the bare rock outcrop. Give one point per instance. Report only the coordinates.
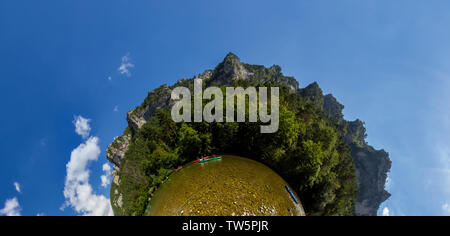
(116, 150)
(157, 99)
(371, 166)
(371, 172)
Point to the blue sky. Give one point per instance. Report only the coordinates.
(388, 62)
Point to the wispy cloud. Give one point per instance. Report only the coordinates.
(446, 208)
(82, 126)
(116, 108)
(126, 65)
(437, 136)
(12, 208)
(17, 186)
(77, 190)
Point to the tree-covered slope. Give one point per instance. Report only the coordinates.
(315, 149)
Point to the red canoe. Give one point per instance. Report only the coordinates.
(204, 158)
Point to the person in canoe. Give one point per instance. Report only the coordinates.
(198, 159)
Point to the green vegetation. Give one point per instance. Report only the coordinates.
(308, 151)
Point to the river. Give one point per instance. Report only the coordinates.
(232, 186)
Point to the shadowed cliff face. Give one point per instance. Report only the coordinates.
(371, 165)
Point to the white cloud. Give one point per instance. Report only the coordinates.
(109, 78)
(82, 126)
(12, 208)
(77, 190)
(17, 186)
(386, 212)
(125, 66)
(446, 208)
(106, 178)
(40, 214)
(116, 108)
(106, 167)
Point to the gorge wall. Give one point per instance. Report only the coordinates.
(371, 165)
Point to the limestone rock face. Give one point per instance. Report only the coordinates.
(116, 150)
(157, 99)
(232, 69)
(372, 167)
(229, 70)
(371, 171)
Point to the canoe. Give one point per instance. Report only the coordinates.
(210, 159)
(201, 159)
(292, 195)
(147, 212)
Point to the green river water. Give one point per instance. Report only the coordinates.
(233, 186)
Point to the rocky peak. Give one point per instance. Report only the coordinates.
(231, 58)
(276, 69)
(228, 70)
(332, 107)
(313, 93)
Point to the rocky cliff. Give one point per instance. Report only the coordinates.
(371, 165)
